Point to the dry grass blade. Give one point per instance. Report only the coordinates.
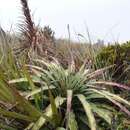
(72, 65)
(112, 84)
(99, 71)
(122, 108)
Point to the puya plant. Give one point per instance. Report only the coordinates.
(72, 99)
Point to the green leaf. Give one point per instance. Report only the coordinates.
(16, 115)
(72, 123)
(5, 127)
(29, 127)
(48, 112)
(36, 91)
(88, 110)
(107, 115)
(60, 128)
(55, 113)
(32, 85)
(117, 100)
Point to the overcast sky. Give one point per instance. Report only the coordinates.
(106, 19)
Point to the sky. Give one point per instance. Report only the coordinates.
(105, 19)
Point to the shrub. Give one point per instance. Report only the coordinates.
(118, 55)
